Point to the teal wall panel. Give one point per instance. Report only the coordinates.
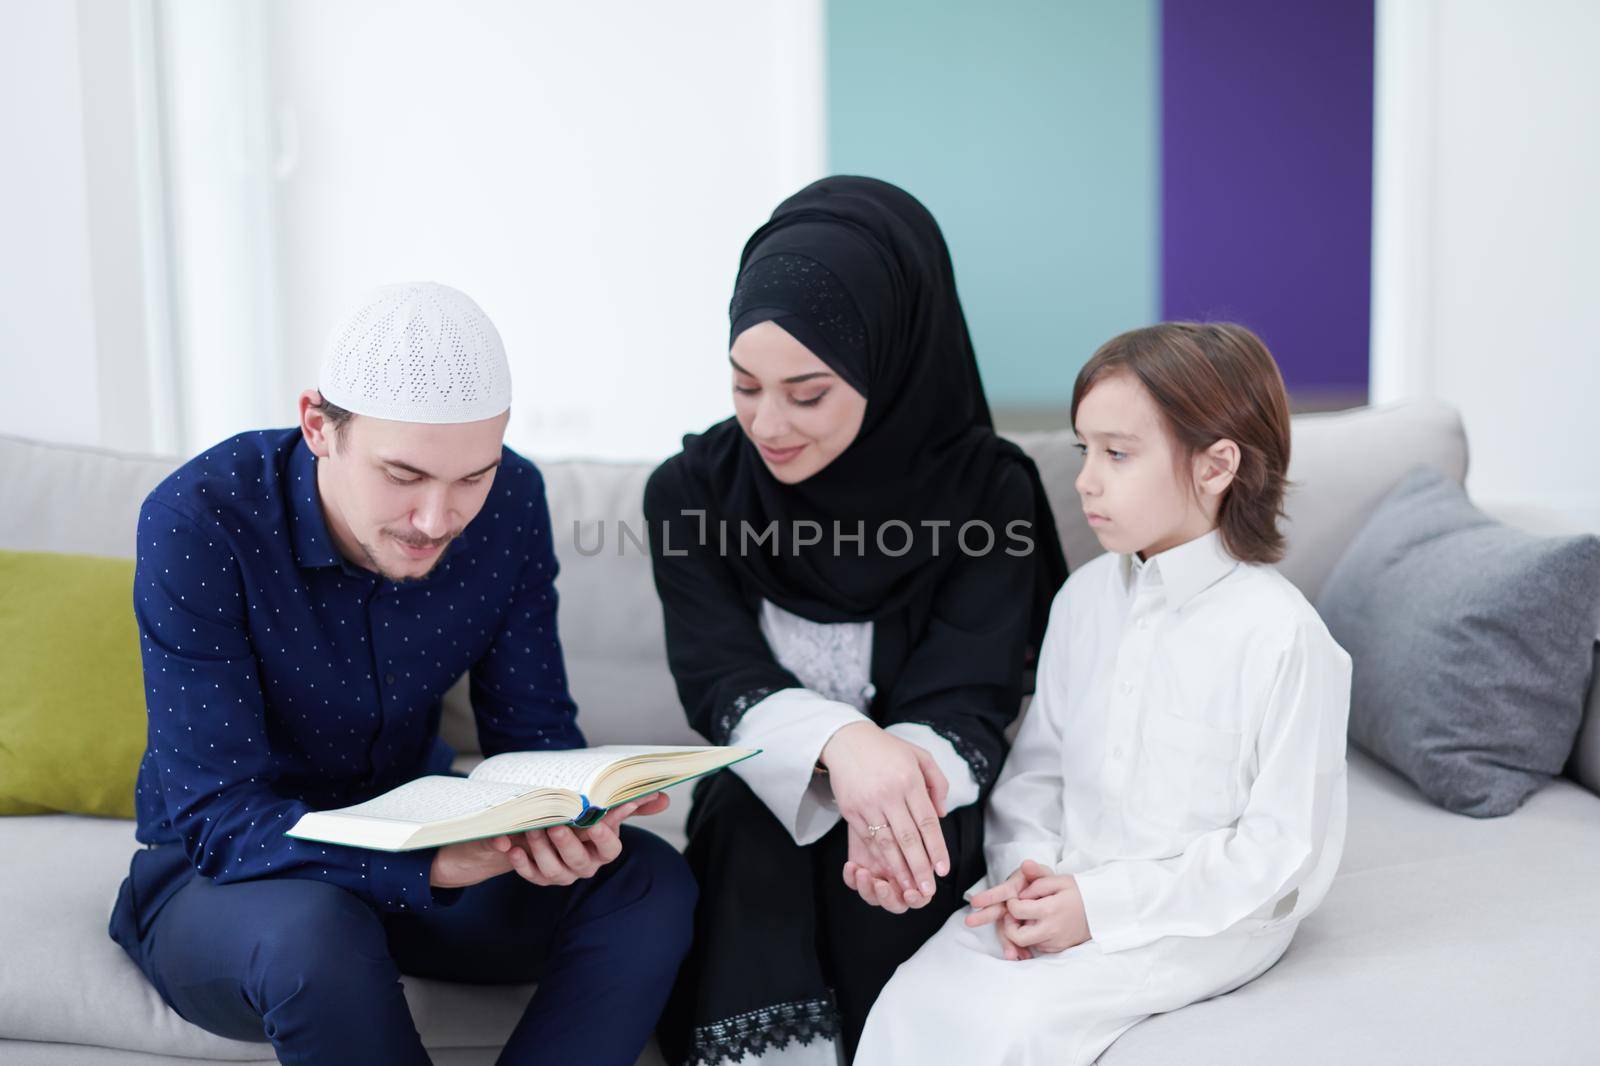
(1030, 130)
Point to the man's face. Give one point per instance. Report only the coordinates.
(396, 493)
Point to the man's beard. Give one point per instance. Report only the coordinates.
(400, 579)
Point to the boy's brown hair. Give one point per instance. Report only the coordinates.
(1214, 380)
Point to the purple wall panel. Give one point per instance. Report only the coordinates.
(1266, 172)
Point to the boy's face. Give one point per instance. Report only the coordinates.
(1138, 493)
(396, 493)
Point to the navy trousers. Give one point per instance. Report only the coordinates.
(315, 970)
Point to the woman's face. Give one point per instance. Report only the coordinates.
(799, 414)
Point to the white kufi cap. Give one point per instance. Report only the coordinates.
(417, 353)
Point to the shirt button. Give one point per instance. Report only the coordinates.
(1127, 687)
(1116, 752)
(388, 679)
(1144, 623)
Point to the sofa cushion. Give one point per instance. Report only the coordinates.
(1342, 463)
(63, 979)
(71, 695)
(1472, 644)
(1442, 939)
(66, 498)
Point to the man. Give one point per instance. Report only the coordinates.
(304, 598)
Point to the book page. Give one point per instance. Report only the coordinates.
(575, 769)
(433, 799)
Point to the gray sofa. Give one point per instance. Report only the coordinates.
(1444, 939)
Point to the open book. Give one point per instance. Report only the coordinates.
(513, 792)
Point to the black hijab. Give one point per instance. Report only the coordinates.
(857, 271)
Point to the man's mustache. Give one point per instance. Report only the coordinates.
(425, 542)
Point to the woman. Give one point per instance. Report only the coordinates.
(853, 570)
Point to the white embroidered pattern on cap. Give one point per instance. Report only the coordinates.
(419, 352)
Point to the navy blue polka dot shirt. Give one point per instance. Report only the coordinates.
(280, 678)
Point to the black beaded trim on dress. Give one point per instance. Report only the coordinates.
(723, 724)
(982, 769)
(758, 1031)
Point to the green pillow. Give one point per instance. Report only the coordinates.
(72, 717)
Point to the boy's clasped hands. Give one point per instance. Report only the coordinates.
(1033, 911)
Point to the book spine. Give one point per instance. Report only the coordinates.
(589, 815)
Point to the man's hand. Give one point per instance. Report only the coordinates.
(560, 855)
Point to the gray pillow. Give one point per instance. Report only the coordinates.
(1472, 644)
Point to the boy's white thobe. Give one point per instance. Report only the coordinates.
(1184, 760)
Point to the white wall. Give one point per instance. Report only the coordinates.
(47, 335)
(208, 183)
(587, 172)
(1487, 237)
